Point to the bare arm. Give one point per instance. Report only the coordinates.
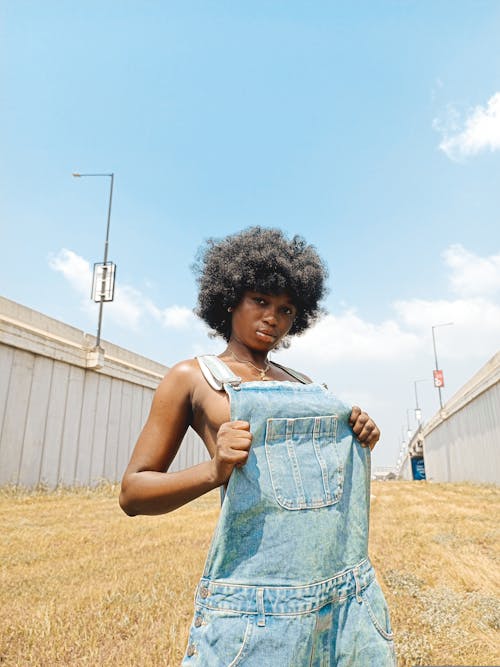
(147, 487)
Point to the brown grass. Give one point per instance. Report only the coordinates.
(82, 584)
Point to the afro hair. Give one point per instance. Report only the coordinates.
(260, 260)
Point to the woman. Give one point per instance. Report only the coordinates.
(287, 579)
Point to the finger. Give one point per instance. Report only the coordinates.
(234, 457)
(372, 438)
(240, 444)
(365, 434)
(234, 440)
(233, 429)
(360, 423)
(228, 427)
(238, 424)
(355, 412)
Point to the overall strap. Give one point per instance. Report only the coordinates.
(216, 373)
(295, 374)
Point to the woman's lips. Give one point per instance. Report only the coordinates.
(266, 335)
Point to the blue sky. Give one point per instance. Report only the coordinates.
(371, 128)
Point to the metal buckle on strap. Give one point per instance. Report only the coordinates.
(220, 371)
(235, 382)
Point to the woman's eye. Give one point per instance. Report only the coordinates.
(259, 300)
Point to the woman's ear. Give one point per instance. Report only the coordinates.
(283, 343)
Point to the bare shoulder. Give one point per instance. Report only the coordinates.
(187, 369)
(180, 380)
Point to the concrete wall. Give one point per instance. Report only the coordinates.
(405, 471)
(462, 441)
(69, 415)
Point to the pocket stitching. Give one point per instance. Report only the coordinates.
(386, 635)
(292, 456)
(323, 467)
(244, 645)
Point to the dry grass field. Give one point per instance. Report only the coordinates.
(82, 584)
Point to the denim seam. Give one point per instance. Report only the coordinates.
(292, 456)
(306, 506)
(344, 573)
(244, 646)
(386, 635)
(271, 434)
(322, 465)
(305, 612)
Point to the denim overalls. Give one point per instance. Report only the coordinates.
(287, 581)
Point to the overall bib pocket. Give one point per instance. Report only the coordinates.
(303, 460)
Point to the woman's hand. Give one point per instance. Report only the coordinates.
(233, 444)
(365, 429)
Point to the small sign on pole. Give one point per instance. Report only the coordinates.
(438, 378)
(103, 282)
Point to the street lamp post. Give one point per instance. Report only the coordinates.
(408, 410)
(403, 449)
(418, 411)
(438, 381)
(106, 246)
(404, 441)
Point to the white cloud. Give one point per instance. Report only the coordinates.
(173, 317)
(347, 337)
(177, 317)
(127, 308)
(479, 132)
(130, 307)
(74, 268)
(476, 324)
(472, 275)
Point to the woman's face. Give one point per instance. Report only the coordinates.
(261, 320)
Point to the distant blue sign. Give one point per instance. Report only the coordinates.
(418, 467)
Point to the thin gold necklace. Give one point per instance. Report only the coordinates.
(261, 371)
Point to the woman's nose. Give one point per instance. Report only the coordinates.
(270, 315)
